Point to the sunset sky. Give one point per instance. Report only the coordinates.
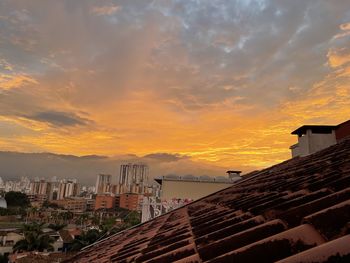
(220, 82)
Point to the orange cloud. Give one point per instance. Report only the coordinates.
(105, 10)
(338, 58)
(346, 31)
(9, 81)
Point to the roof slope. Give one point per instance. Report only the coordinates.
(297, 211)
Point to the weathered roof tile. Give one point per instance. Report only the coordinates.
(296, 211)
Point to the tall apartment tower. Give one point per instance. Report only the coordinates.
(67, 188)
(103, 183)
(133, 178)
(41, 188)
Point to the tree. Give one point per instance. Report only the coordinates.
(17, 199)
(133, 218)
(85, 239)
(82, 219)
(34, 239)
(4, 258)
(66, 216)
(107, 224)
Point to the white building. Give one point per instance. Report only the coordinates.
(7, 240)
(192, 187)
(313, 138)
(3, 203)
(176, 191)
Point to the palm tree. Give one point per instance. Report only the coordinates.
(34, 239)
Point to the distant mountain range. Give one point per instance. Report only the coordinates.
(13, 165)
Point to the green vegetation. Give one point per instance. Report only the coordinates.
(85, 239)
(107, 227)
(4, 258)
(17, 199)
(17, 203)
(133, 218)
(12, 211)
(34, 239)
(65, 216)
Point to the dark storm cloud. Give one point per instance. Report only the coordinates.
(58, 118)
(165, 157)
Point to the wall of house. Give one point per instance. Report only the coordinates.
(321, 141)
(189, 189)
(295, 150)
(130, 201)
(343, 131)
(303, 145)
(8, 241)
(104, 201)
(313, 142)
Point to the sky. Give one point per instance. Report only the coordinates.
(216, 83)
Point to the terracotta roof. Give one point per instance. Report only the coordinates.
(39, 257)
(297, 211)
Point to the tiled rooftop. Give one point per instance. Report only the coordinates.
(296, 211)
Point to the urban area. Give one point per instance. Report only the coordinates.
(61, 216)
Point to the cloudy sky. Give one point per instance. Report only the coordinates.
(222, 83)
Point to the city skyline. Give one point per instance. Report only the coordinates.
(219, 84)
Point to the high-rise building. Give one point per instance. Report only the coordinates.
(103, 183)
(67, 188)
(133, 178)
(41, 188)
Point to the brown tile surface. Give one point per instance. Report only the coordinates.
(296, 211)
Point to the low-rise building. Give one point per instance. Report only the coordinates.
(191, 187)
(3, 203)
(7, 241)
(73, 204)
(131, 201)
(90, 204)
(37, 200)
(313, 138)
(176, 191)
(104, 201)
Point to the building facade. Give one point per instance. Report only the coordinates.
(67, 188)
(103, 183)
(73, 204)
(105, 201)
(313, 138)
(133, 178)
(130, 201)
(192, 187)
